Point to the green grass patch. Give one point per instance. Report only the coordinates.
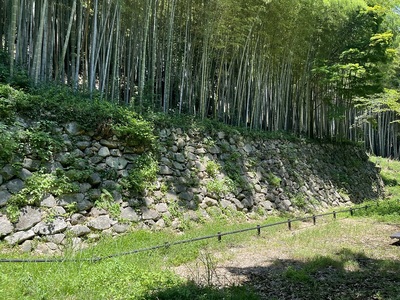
(390, 173)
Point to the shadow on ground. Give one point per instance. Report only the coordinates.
(345, 275)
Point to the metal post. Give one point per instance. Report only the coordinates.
(351, 212)
(219, 236)
(258, 229)
(314, 218)
(334, 214)
(289, 224)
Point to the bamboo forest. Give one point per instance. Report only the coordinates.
(322, 69)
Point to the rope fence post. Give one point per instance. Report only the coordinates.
(219, 236)
(334, 215)
(351, 212)
(289, 224)
(314, 218)
(258, 230)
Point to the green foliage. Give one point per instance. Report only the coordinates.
(106, 202)
(142, 175)
(385, 210)
(212, 168)
(71, 208)
(135, 131)
(274, 180)
(220, 187)
(36, 186)
(389, 171)
(8, 145)
(299, 200)
(41, 143)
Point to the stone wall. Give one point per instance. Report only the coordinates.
(200, 175)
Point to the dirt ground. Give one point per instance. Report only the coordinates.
(341, 256)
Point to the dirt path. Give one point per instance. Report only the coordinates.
(267, 262)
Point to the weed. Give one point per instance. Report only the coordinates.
(212, 168)
(142, 175)
(41, 143)
(204, 273)
(8, 145)
(299, 200)
(274, 180)
(35, 188)
(106, 202)
(135, 131)
(220, 187)
(71, 208)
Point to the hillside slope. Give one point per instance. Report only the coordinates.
(71, 168)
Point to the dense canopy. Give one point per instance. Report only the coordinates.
(319, 68)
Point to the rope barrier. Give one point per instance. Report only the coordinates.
(166, 245)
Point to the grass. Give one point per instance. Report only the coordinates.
(298, 257)
(390, 170)
(124, 277)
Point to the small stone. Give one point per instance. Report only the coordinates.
(104, 152)
(187, 196)
(58, 210)
(94, 179)
(19, 237)
(248, 148)
(238, 204)
(210, 202)
(109, 144)
(4, 197)
(160, 224)
(67, 199)
(225, 203)
(118, 163)
(77, 219)
(120, 228)
(8, 172)
(95, 212)
(267, 205)
(56, 226)
(6, 227)
(24, 174)
(221, 135)
(165, 170)
(150, 214)
(180, 158)
(57, 238)
(80, 230)
(84, 187)
(28, 217)
(116, 152)
(129, 214)
(26, 246)
(15, 185)
(82, 145)
(48, 201)
(214, 149)
(100, 223)
(161, 207)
